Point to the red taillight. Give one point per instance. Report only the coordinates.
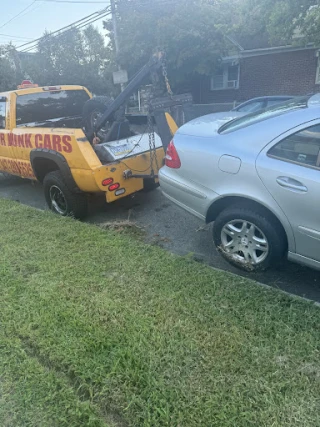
(114, 187)
(172, 159)
(26, 84)
(107, 182)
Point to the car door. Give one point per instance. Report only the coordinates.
(290, 169)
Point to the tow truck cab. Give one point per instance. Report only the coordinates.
(42, 138)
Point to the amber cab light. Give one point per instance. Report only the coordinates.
(114, 187)
(107, 182)
(52, 88)
(172, 159)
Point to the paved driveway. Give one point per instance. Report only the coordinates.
(172, 228)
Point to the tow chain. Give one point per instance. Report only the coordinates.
(152, 142)
(165, 75)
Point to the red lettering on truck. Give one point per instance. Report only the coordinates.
(66, 141)
(56, 143)
(27, 140)
(38, 141)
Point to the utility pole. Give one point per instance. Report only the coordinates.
(115, 34)
(115, 26)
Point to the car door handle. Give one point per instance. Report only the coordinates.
(291, 184)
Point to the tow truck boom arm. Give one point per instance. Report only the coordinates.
(154, 64)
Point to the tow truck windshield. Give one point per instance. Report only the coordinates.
(61, 108)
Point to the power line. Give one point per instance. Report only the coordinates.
(67, 26)
(32, 10)
(14, 37)
(79, 26)
(59, 32)
(73, 24)
(8, 40)
(20, 13)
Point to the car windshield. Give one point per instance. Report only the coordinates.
(264, 114)
(42, 107)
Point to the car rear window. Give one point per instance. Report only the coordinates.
(264, 114)
(3, 113)
(43, 106)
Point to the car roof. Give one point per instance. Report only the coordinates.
(306, 106)
(264, 98)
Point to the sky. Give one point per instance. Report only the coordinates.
(41, 16)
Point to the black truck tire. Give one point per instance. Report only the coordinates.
(92, 111)
(61, 200)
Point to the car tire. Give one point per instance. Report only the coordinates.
(92, 110)
(249, 239)
(61, 200)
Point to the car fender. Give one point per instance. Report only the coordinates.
(59, 160)
(224, 200)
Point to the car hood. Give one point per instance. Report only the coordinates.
(208, 125)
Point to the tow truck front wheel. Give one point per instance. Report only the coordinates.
(61, 200)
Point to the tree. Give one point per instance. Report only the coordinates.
(192, 32)
(283, 21)
(74, 57)
(9, 69)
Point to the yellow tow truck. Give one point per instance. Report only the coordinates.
(77, 145)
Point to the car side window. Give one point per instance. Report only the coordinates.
(2, 114)
(275, 102)
(302, 147)
(251, 107)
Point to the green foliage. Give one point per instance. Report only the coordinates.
(73, 57)
(98, 329)
(192, 32)
(282, 21)
(195, 33)
(9, 68)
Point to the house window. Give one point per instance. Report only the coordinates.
(318, 70)
(217, 81)
(226, 77)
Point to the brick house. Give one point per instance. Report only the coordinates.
(281, 70)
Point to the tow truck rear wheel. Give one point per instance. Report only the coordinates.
(61, 200)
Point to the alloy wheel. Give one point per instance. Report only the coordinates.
(244, 242)
(58, 200)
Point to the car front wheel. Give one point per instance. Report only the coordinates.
(249, 240)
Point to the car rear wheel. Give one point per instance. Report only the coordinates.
(249, 240)
(61, 200)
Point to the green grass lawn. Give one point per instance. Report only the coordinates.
(99, 329)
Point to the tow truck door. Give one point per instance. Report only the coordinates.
(7, 157)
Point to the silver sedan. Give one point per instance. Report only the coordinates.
(257, 177)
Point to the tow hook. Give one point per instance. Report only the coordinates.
(128, 174)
